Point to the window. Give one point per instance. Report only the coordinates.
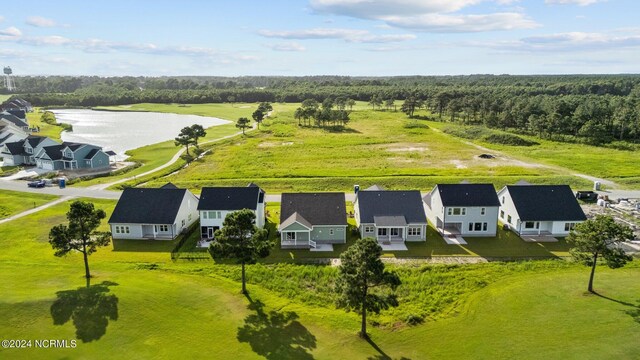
(414, 231)
(457, 211)
(501, 214)
(331, 231)
(205, 214)
(29, 150)
(122, 230)
(189, 217)
(290, 235)
(183, 222)
(531, 225)
(382, 231)
(395, 232)
(162, 228)
(509, 219)
(479, 226)
(503, 200)
(368, 229)
(569, 226)
(212, 215)
(483, 211)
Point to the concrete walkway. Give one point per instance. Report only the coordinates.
(35, 210)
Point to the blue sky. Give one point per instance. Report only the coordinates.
(318, 37)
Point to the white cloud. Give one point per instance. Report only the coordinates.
(570, 42)
(39, 21)
(14, 35)
(291, 46)
(372, 9)
(349, 35)
(10, 32)
(573, 2)
(428, 15)
(462, 23)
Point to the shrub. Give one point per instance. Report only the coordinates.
(508, 139)
(414, 319)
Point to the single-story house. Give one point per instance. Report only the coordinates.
(216, 202)
(22, 152)
(390, 216)
(308, 220)
(159, 214)
(463, 209)
(540, 209)
(71, 156)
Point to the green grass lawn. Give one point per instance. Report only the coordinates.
(13, 202)
(166, 309)
(377, 148)
(52, 131)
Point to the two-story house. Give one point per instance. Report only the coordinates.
(463, 209)
(23, 152)
(71, 156)
(216, 202)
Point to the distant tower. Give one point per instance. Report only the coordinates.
(8, 79)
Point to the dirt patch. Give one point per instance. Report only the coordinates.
(458, 164)
(408, 148)
(274, 144)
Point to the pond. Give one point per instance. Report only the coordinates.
(123, 130)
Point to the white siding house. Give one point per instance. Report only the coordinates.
(463, 209)
(159, 214)
(539, 209)
(217, 202)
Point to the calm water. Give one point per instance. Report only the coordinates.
(122, 131)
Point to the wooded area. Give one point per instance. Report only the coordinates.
(595, 109)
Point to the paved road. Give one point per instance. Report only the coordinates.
(69, 191)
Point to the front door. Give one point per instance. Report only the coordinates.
(210, 233)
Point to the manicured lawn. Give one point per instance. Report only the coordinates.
(165, 310)
(13, 202)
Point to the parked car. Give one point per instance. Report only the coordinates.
(587, 195)
(37, 184)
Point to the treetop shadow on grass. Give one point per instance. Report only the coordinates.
(634, 312)
(381, 354)
(89, 307)
(276, 334)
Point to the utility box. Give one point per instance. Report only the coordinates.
(596, 185)
(62, 183)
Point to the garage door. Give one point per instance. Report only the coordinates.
(46, 165)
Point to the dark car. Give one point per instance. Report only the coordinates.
(37, 184)
(587, 195)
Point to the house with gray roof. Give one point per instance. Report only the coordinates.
(71, 156)
(540, 209)
(312, 220)
(23, 152)
(463, 209)
(17, 104)
(390, 216)
(156, 214)
(216, 202)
